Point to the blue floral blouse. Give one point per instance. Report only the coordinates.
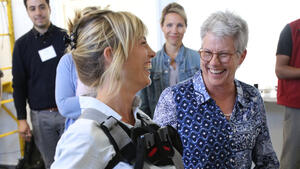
(208, 138)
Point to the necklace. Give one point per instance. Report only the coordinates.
(227, 115)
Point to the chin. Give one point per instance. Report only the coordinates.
(149, 83)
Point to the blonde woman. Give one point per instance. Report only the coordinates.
(111, 54)
(174, 62)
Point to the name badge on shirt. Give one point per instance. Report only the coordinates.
(47, 53)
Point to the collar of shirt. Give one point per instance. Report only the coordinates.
(201, 91)
(37, 34)
(90, 102)
(180, 55)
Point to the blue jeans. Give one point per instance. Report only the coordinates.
(47, 127)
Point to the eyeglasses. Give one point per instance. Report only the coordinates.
(223, 57)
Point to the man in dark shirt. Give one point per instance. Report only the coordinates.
(35, 58)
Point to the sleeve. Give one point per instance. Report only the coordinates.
(263, 154)
(83, 145)
(285, 43)
(145, 103)
(20, 93)
(65, 88)
(165, 111)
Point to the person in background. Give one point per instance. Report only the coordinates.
(35, 58)
(68, 87)
(174, 62)
(1, 75)
(288, 73)
(221, 120)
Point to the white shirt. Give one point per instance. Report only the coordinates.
(85, 146)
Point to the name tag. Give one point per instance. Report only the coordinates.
(47, 53)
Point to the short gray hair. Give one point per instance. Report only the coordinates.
(227, 24)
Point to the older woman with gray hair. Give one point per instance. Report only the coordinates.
(221, 120)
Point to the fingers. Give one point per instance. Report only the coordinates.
(26, 135)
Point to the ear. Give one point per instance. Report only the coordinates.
(108, 55)
(243, 56)
(199, 52)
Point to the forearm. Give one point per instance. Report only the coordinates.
(283, 68)
(288, 72)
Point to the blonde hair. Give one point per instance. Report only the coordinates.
(79, 14)
(96, 31)
(173, 8)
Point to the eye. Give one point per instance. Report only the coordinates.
(180, 25)
(143, 41)
(43, 7)
(224, 55)
(169, 25)
(31, 8)
(207, 53)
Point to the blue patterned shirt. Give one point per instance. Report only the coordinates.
(208, 138)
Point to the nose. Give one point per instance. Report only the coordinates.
(151, 53)
(215, 59)
(174, 29)
(38, 11)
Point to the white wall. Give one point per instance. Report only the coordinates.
(145, 9)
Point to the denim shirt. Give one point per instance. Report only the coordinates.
(188, 62)
(209, 139)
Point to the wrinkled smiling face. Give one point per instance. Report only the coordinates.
(39, 13)
(216, 73)
(136, 69)
(173, 28)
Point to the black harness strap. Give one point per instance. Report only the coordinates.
(117, 133)
(151, 143)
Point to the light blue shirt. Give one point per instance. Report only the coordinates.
(65, 90)
(85, 146)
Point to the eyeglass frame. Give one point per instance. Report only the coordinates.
(218, 55)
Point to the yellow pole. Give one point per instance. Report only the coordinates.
(10, 26)
(12, 42)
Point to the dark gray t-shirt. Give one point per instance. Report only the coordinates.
(285, 43)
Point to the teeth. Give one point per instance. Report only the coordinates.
(215, 71)
(149, 66)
